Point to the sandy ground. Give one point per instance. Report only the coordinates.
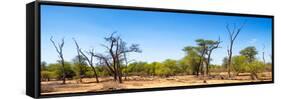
(137, 82)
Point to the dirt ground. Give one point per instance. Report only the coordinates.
(137, 82)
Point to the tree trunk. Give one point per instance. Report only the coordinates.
(254, 76)
(64, 75)
(199, 69)
(229, 60)
(97, 79)
(208, 63)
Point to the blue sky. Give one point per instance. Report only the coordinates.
(161, 35)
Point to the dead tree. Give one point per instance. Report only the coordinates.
(108, 64)
(112, 43)
(59, 50)
(117, 56)
(89, 58)
(79, 60)
(116, 48)
(232, 37)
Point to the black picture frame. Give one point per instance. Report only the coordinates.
(33, 47)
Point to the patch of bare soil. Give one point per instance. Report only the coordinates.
(138, 82)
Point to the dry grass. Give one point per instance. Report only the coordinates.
(137, 82)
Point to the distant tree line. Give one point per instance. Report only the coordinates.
(246, 62)
(115, 63)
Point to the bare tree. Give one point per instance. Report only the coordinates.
(79, 60)
(108, 63)
(59, 49)
(112, 43)
(89, 58)
(116, 48)
(233, 33)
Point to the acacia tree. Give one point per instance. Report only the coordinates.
(59, 49)
(233, 33)
(250, 52)
(202, 49)
(211, 45)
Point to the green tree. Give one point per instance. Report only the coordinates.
(250, 52)
(211, 46)
(251, 64)
(202, 49)
(191, 61)
(186, 68)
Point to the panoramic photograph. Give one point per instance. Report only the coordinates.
(87, 49)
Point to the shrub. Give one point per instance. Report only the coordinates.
(239, 64)
(46, 75)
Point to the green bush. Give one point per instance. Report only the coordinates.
(167, 68)
(137, 68)
(239, 64)
(255, 67)
(58, 72)
(47, 75)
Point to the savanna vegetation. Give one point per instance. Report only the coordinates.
(92, 71)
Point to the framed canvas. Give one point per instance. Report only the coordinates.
(88, 49)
